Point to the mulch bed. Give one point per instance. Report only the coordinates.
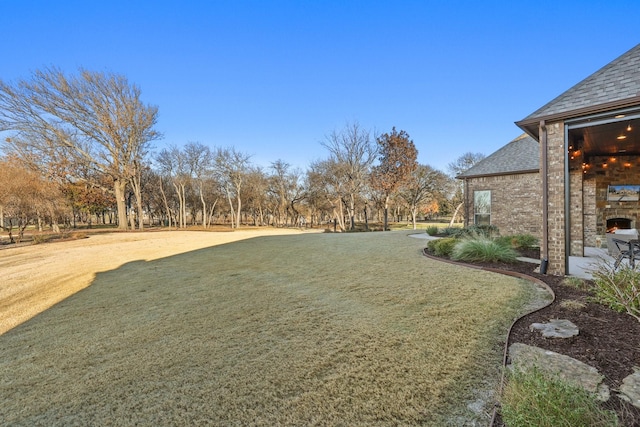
(609, 341)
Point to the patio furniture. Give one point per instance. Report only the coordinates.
(624, 244)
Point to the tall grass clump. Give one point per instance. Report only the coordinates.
(432, 230)
(532, 398)
(483, 249)
(618, 289)
(442, 247)
(489, 231)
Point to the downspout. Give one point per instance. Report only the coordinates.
(545, 197)
(567, 203)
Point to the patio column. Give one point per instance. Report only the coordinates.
(555, 244)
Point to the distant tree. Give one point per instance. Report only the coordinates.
(352, 153)
(173, 166)
(423, 188)
(460, 165)
(231, 168)
(398, 159)
(326, 182)
(94, 119)
(464, 163)
(26, 197)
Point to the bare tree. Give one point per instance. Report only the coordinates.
(96, 119)
(172, 163)
(423, 186)
(398, 159)
(460, 165)
(232, 166)
(201, 161)
(352, 151)
(326, 182)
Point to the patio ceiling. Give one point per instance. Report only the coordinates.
(605, 139)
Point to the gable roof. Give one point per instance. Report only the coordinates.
(522, 155)
(616, 85)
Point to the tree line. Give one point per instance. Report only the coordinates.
(79, 147)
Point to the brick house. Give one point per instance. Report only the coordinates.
(504, 189)
(589, 159)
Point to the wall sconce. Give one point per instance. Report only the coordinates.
(627, 165)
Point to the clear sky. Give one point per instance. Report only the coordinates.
(273, 78)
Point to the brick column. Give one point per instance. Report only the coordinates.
(555, 157)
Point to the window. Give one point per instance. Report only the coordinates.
(482, 207)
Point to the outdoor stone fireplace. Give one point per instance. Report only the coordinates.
(618, 223)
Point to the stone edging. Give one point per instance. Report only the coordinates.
(506, 273)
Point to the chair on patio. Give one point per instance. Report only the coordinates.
(624, 244)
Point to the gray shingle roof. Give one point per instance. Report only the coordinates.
(519, 156)
(618, 80)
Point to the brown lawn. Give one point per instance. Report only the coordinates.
(199, 328)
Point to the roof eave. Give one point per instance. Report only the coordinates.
(521, 172)
(531, 125)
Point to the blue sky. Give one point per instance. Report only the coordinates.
(273, 78)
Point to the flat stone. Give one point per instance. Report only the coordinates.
(524, 357)
(630, 389)
(556, 328)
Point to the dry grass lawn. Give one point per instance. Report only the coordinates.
(185, 328)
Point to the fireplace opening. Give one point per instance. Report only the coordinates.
(614, 224)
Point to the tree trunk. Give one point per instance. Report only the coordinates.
(414, 213)
(385, 226)
(166, 204)
(119, 187)
(454, 214)
(239, 211)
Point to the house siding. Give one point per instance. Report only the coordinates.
(516, 206)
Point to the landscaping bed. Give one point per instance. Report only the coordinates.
(608, 340)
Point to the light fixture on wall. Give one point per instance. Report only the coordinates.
(621, 136)
(629, 127)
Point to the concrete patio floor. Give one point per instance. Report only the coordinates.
(584, 266)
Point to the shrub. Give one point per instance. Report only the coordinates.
(432, 230)
(618, 289)
(519, 241)
(534, 399)
(483, 249)
(442, 247)
(451, 231)
(481, 231)
(576, 282)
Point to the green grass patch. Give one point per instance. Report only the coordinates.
(534, 399)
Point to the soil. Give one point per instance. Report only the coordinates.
(608, 340)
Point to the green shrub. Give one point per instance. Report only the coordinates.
(432, 230)
(534, 399)
(451, 231)
(483, 249)
(576, 282)
(519, 241)
(442, 247)
(618, 289)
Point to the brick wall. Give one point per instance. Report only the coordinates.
(515, 202)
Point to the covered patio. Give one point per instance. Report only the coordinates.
(589, 163)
